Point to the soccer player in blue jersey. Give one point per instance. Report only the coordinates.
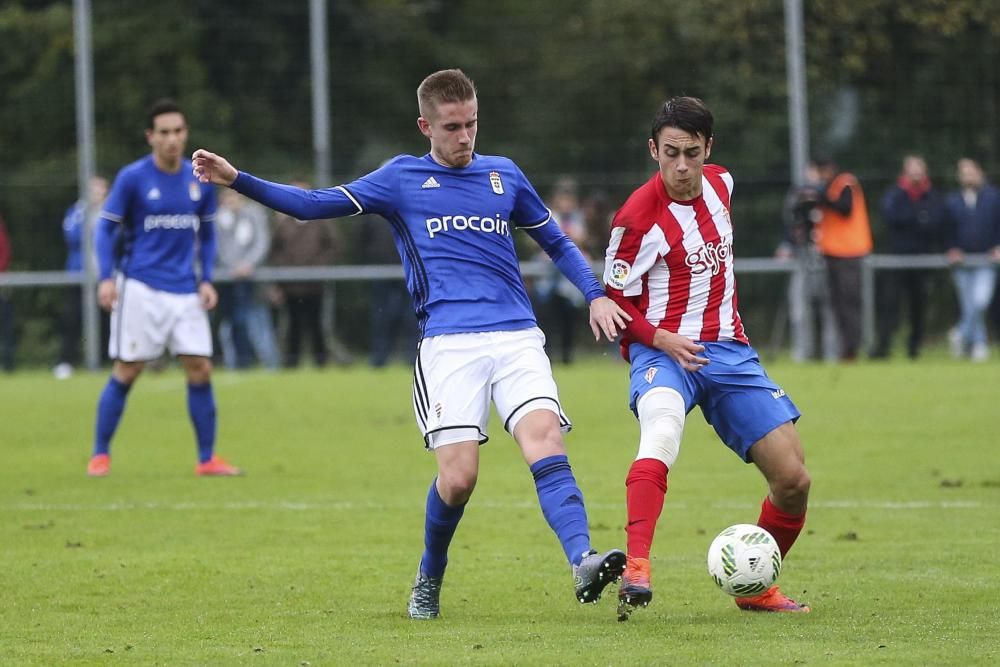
(157, 300)
(453, 214)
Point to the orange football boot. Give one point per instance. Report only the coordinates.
(99, 466)
(635, 590)
(217, 467)
(772, 600)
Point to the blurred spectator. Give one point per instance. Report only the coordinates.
(561, 302)
(994, 311)
(844, 238)
(390, 308)
(812, 324)
(913, 212)
(296, 243)
(71, 317)
(597, 214)
(7, 336)
(972, 226)
(243, 237)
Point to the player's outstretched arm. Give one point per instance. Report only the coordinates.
(211, 168)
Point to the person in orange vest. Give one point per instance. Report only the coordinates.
(844, 238)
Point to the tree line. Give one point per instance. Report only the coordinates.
(565, 87)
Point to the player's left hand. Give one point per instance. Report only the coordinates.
(209, 297)
(607, 316)
(211, 168)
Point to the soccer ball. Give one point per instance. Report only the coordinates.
(744, 560)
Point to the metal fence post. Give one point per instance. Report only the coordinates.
(86, 168)
(867, 302)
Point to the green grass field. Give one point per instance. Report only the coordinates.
(308, 559)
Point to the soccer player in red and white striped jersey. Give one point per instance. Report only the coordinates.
(670, 266)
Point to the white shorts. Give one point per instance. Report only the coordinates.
(145, 321)
(456, 376)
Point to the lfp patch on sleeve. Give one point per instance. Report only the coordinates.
(618, 274)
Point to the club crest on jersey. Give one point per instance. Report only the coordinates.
(650, 374)
(496, 183)
(618, 274)
(194, 191)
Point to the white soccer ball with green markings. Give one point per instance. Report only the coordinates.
(744, 560)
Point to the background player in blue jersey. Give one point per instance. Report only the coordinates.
(157, 300)
(453, 213)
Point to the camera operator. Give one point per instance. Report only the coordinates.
(813, 331)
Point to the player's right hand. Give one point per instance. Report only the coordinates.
(211, 168)
(682, 350)
(107, 294)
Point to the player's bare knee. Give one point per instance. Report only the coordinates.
(550, 442)
(541, 441)
(456, 486)
(198, 369)
(127, 372)
(661, 423)
(792, 491)
(801, 485)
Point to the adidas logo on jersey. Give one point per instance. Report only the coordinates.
(430, 183)
(153, 194)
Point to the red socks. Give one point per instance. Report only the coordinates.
(783, 526)
(646, 486)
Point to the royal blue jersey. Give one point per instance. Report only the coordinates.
(73, 224)
(453, 228)
(165, 218)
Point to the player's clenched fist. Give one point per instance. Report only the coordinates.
(211, 168)
(107, 294)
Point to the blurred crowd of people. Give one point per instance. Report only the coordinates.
(257, 323)
(829, 234)
(559, 306)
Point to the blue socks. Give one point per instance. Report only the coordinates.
(201, 407)
(110, 406)
(558, 494)
(440, 523)
(562, 504)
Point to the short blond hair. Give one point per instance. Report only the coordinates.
(447, 85)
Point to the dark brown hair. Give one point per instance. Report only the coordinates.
(684, 113)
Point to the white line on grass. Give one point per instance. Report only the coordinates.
(351, 505)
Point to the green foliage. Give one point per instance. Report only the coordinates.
(309, 557)
(566, 87)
